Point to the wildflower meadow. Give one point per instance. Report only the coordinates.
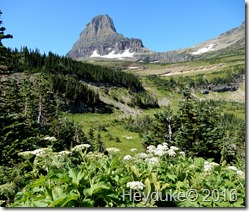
(160, 177)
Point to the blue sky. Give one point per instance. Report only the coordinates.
(55, 25)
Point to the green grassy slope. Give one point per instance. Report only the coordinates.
(209, 68)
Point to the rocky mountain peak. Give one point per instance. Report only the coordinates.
(100, 40)
(100, 25)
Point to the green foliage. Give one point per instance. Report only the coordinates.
(200, 129)
(160, 129)
(141, 180)
(13, 180)
(33, 61)
(144, 100)
(230, 75)
(74, 95)
(200, 133)
(139, 123)
(28, 112)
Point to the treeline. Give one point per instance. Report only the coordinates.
(29, 111)
(33, 61)
(226, 77)
(75, 96)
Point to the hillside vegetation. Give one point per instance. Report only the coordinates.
(81, 134)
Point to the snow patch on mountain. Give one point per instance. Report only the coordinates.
(203, 50)
(113, 55)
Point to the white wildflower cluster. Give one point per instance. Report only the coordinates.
(239, 172)
(48, 138)
(174, 148)
(182, 153)
(153, 160)
(80, 147)
(127, 157)
(151, 149)
(154, 153)
(233, 168)
(112, 150)
(163, 149)
(133, 149)
(65, 153)
(135, 185)
(171, 153)
(95, 155)
(37, 152)
(142, 155)
(26, 154)
(208, 166)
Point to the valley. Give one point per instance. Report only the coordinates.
(79, 130)
(230, 101)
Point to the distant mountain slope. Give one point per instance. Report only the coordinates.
(224, 40)
(100, 40)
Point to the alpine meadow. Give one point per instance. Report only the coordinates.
(115, 124)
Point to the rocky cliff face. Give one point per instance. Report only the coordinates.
(100, 40)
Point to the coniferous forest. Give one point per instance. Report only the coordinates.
(54, 153)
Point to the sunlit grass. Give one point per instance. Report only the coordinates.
(120, 137)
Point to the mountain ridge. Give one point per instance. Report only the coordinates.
(100, 40)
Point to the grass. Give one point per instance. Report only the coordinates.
(114, 135)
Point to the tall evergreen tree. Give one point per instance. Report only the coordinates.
(2, 29)
(161, 129)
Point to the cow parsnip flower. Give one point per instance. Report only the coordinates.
(240, 172)
(26, 154)
(209, 166)
(112, 150)
(174, 148)
(127, 157)
(142, 155)
(80, 147)
(171, 152)
(135, 185)
(65, 153)
(48, 138)
(232, 168)
(153, 160)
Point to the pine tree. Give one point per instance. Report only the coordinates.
(200, 132)
(161, 129)
(2, 29)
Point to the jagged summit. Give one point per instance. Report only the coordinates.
(100, 25)
(100, 40)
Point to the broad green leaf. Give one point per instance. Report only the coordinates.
(40, 204)
(135, 171)
(165, 185)
(62, 202)
(87, 203)
(95, 188)
(180, 185)
(76, 176)
(153, 177)
(147, 186)
(171, 176)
